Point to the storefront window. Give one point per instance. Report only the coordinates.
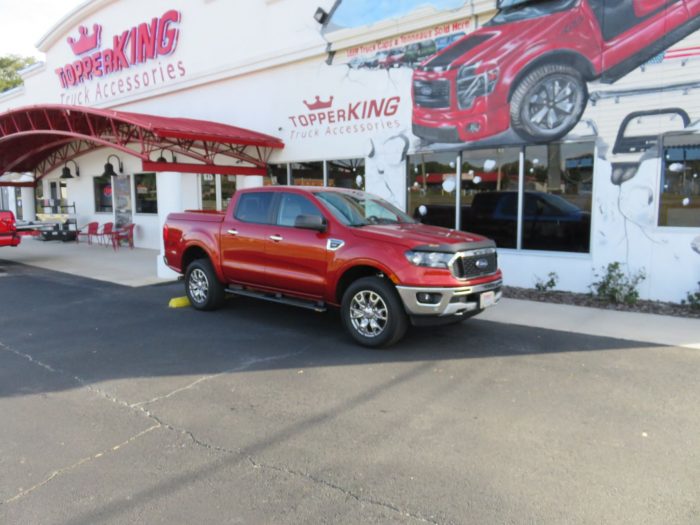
(38, 197)
(680, 184)
(431, 188)
(228, 188)
(103, 194)
(307, 173)
(558, 194)
(349, 173)
(146, 193)
(207, 184)
(490, 194)
(277, 175)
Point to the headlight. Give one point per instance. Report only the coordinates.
(471, 84)
(429, 259)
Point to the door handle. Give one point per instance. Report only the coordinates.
(276, 238)
(232, 232)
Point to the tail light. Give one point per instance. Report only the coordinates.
(166, 232)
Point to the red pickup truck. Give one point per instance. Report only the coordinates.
(8, 229)
(527, 67)
(317, 247)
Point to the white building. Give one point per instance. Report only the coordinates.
(336, 94)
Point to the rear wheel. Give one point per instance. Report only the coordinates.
(203, 288)
(372, 312)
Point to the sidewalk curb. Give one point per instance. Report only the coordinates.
(650, 328)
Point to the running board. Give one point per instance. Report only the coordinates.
(317, 306)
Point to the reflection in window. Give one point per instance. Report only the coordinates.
(558, 196)
(431, 188)
(307, 173)
(489, 194)
(680, 184)
(146, 193)
(292, 205)
(207, 184)
(103, 194)
(349, 173)
(228, 189)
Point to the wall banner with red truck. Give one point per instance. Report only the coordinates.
(440, 76)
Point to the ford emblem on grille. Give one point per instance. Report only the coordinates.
(482, 264)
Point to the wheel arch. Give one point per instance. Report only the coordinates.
(353, 273)
(562, 57)
(197, 251)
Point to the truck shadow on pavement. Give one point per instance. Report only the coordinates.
(92, 331)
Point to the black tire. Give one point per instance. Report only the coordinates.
(385, 322)
(203, 288)
(548, 102)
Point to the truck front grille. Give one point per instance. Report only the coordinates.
(431, 93)
(477, 263)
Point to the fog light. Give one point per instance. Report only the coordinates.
(428, 298)
(473, 127)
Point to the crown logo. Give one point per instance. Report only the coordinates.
(86, 42)
(318, 104)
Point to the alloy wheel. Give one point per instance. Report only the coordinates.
(368, 313)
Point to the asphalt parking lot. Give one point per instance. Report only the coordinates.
(117, 409)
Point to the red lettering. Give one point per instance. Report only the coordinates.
(119, 42)
(146, 41)
(167, 36)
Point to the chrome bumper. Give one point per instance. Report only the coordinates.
(453, 301)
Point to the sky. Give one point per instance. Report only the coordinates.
(356, 13)
(24, 22)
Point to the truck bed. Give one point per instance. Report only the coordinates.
(198, 216)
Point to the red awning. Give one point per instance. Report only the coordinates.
(40, 139)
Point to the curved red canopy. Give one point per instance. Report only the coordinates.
(41, 138)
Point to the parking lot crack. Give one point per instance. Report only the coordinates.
(353, 495)
(247, 364)
(60, 472)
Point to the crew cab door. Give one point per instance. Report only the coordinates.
(297, 258)
(244, 238)
(634, 31)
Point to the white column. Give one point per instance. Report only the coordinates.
(169, 191)
(249, 181)
(28, 204)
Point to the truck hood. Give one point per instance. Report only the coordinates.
(423, 237)
(495, 44)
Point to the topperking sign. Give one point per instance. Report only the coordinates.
(102, 72)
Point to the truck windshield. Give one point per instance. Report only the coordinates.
(361, 209)
(515, 10)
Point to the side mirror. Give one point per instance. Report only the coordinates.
(310, 222)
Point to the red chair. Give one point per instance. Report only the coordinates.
(105, 235)
(126, 233)
(89, 231)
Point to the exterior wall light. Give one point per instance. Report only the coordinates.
(109, 169)
(65, 172)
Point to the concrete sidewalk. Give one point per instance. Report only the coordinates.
(137, 267)
(657, 329)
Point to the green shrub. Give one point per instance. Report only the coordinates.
(693, 299)
(545, 286)
(614, 286)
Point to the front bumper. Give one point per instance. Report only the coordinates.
(453, 301)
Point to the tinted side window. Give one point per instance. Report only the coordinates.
(254, 207)
(292, 205)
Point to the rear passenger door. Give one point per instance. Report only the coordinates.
(244, 238)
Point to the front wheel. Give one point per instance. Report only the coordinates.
(203, 288)
(548, 102)
(372, 312)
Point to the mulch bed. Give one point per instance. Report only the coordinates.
(582, 299)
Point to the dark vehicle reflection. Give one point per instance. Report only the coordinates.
(550, 222)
